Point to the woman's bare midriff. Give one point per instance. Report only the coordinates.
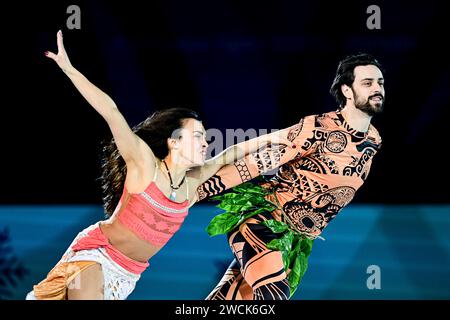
(124, 240)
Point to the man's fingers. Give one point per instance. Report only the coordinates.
(59, 40)
(50, 55)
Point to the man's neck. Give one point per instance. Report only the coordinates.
(356, 118)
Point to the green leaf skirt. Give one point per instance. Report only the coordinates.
(249, 199)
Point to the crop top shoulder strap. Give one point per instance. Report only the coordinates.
(155, 175)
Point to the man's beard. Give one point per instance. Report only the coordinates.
(368, 107)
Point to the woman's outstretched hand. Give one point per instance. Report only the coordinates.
(61, 58)
(277, 138)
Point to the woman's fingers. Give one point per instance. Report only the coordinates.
(59, 40)
(281, 140)
(289, 143)
(61, 57)
(50, 55)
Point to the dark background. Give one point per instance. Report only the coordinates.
(240, 64)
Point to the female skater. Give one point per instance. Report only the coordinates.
(150, 176)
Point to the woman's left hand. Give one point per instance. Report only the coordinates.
(277, 138)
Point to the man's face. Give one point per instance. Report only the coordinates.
(368, 89)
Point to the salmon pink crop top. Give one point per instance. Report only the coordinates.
(151, 215)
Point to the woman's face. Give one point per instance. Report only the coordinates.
(192, 145)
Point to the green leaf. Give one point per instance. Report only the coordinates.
(253, 213)
(294, 275)
(304, 264)
(297, 272)
(230, 195)
(224, 206)
(306, 246)
(222, 223)
(285, 256)
(250, 187)
(220, 197)
(230, 208)
(293, 254)
(275, 244)
(257, 191)
(275, 226)
(243, 187)
(246, 207)
(282, 244)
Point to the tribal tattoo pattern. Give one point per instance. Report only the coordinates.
(312, 185)
(212, 186)
(316, 182)
(311, 215)
(270, 157)
(295, 131)
(242, 168)
(257, 272)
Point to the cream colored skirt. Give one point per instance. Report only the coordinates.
(118, 282)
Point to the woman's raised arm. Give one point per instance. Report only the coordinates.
(130, 146)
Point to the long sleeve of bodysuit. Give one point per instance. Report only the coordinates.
(264, 160)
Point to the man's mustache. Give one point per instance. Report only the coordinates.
(377, 95)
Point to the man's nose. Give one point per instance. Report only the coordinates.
(376, 88)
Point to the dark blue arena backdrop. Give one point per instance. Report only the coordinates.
(240, 64)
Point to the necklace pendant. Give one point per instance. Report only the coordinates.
(173, 195)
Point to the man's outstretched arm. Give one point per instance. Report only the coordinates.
(264, 160)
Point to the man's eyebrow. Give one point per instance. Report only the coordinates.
(371, 79)
(201, 132)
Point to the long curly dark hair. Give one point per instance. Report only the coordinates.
(155, 130)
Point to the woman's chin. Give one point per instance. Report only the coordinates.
(198, 163)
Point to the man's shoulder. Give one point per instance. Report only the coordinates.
(321, 120)
(374, 135)
(331, 119)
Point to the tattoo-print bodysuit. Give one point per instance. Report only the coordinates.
(314, 182)
(316, 179)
